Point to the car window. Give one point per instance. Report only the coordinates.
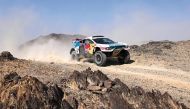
(103, 41)
(87, 41)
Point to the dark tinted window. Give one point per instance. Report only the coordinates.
(87, 41)
(103, 41)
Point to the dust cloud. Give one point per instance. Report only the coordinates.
(14, 27)
(49, 51)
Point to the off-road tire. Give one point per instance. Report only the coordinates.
(100, 58)
(124, 58)
(75, 56)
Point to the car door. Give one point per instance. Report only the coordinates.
(89, 46)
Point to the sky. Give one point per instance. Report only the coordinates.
(130, 21)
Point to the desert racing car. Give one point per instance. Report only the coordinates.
(99, 48)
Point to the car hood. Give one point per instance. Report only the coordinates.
(112, 45)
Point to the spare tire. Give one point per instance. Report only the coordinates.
(100, 58)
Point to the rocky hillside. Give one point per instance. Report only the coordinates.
(63, 38)
(175, 55)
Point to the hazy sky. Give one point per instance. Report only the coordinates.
(131, 21)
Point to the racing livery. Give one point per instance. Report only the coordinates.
(100, 49)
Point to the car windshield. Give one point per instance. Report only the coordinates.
(103, 41)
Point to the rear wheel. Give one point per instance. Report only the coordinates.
(100, 58)
(124, 57)
(74, 56)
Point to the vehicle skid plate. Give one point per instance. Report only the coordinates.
(116, 52)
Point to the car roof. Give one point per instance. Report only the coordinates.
(94, 37)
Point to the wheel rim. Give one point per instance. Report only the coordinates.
(73, 56)
(98, 58)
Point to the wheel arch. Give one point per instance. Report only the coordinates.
(72, 49)
(97, 49)
(124, 52)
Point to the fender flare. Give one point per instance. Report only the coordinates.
(96, 49)
(72, 49)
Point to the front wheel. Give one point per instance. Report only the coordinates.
(100, 58)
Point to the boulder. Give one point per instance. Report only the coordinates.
(5, 55)
(28, 92)
(94, 88)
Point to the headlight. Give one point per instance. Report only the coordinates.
(106, 48)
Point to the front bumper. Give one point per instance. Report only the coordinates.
(115, 52)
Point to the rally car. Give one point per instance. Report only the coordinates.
(99, 48)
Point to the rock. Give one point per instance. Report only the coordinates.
(77, 81)
(96, 77)
(28, 92)
(72, 101)
(11, 77)
(80, 80)
(137, 91)
(55, 93)
(104, 90)
(82, 106)
(117, 101)
(5, 55)
(94, 88)
(120, 86)
(101, 84)
(92, 81)
(108, 84)
(66, 105)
